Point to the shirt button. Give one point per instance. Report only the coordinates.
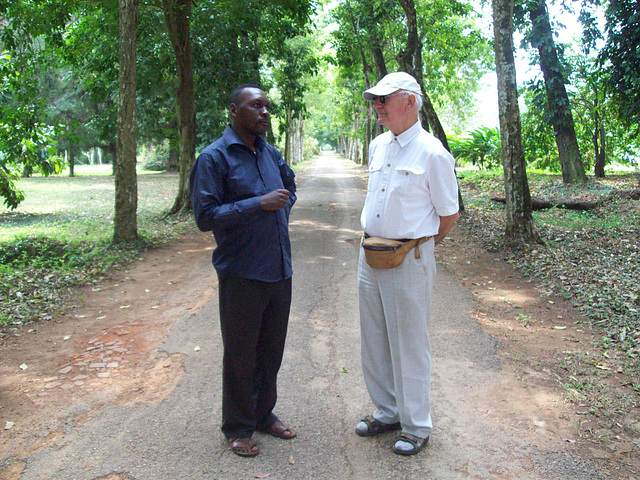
(406, 173)
(378, 215)
(383, 189)
(388, 164)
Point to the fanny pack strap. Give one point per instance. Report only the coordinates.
(419, 241)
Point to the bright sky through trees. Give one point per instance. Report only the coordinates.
(487, 112)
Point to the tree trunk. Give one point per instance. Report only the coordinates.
(557, 99)
(598, 140)
(378, 58)
(599, 150)
(411, 61)
(300, 137)
(72, 163)
(177, 15)
(173, 164)
(287, 138)
(371, 127)
(126, 184)
(112, 150)
(519, 221)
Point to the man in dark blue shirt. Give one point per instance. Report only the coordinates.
(242, 190)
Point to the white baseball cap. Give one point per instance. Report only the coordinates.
(391, 83)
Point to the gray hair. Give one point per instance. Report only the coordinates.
(419, 100)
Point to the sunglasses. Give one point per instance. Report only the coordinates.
(383, 98)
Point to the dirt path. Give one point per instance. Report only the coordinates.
(106, 350)
(102, 350)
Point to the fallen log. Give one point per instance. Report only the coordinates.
(569, 203)
(627, 194)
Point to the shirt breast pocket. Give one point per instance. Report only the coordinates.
(375, 170)
(409, 181)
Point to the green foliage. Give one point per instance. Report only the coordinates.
(311, 148)
(90, 53)
(621, 57)
(297, 60)
(26, 145)
(38, 272)
(41, 253)
(538, 142)
(483, 148)
(156, 159)
(238, 42)
(455, 52)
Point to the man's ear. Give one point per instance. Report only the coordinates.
(411, 100)
(233, 110)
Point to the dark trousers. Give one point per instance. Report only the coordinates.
(253, 317)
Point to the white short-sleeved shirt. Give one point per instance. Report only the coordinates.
(412, 183)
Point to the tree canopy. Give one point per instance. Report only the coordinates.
(59, 67)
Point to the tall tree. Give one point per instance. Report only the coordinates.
(297, 59)
(541, 38)
(519, 222)
(178, 23)
(126, 183)
(411, 61)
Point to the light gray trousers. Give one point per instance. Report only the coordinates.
(395, 309)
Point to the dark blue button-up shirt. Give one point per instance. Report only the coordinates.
(227, 181)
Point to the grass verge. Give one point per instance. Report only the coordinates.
(60, 238)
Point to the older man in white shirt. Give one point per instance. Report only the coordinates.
(412, 194)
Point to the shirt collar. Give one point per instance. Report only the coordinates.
(409, 134)
(230, 137)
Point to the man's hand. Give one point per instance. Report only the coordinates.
(275, 200)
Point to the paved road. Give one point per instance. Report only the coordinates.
(322, 394)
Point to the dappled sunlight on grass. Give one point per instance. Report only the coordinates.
(82, 207)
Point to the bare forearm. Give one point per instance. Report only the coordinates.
(445, 226)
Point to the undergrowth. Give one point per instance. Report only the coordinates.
(589, 257)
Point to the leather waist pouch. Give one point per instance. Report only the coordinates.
(386, 253)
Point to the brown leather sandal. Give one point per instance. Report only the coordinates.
(279, 430)
(375, 427)
(416, 443)
(245, 447)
